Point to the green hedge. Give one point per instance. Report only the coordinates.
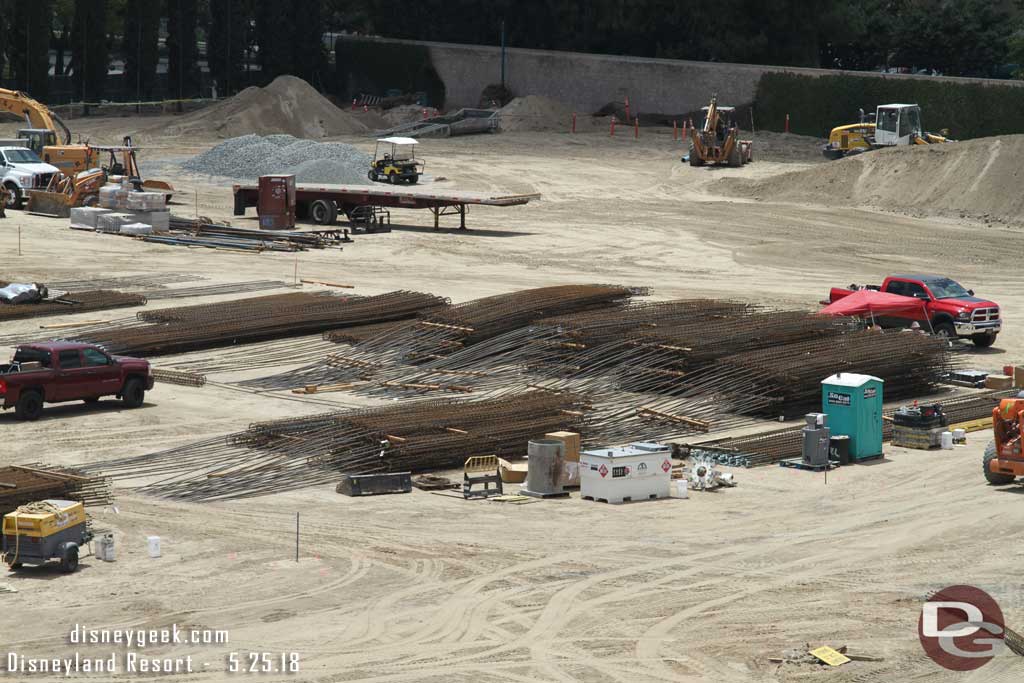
(816, 104)
(373, 68)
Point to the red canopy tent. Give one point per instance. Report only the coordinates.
(872, 302)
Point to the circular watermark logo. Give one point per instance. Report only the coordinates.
(961, 628)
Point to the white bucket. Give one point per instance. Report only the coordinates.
(154, 545)
(680, 488)
(946, 440)
(105, 547)
(959, 436)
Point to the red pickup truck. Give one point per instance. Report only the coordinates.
(56, 372)
(949, 309)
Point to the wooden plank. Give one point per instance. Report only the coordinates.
(46, 473)
(698, 424)
(448, 327)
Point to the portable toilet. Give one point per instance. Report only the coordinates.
(853, 403)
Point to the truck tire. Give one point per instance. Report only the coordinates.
(945, 329)
(323, 212)
(29, 406)
(12, 196)
(134, 393)
(994, 478)
(695, 159)
(983, 341)
(69, 559)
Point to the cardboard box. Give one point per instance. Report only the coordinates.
(1018, 377)
(572, 444)
(999, 382)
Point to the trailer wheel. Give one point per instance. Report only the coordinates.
(69, 559)
(994, 478)
(323, 212)
(29, 406)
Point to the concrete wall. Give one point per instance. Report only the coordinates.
(587, 82)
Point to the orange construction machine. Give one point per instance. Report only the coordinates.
(717, 141)
(1003, 461)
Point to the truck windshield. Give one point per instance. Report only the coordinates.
(947, 289)
(22, 156)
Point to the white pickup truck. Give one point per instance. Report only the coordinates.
(21, 170)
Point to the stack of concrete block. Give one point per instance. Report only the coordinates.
(112, 222)
(149, 208)
(86, 217)
(136, 229)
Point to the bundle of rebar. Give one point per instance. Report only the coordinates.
(291, 453)
(20, 484)
(490, 316)
(213, 290)
(72, 302)
(203, 233)
(190, 328)
(786, 380)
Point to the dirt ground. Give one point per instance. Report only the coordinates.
(422, 587)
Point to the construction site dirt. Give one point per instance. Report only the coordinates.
(423, 587)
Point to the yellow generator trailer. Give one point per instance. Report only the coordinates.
(893, 125)
(46, 530)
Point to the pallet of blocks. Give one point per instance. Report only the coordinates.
(917, 437)
(124, 210)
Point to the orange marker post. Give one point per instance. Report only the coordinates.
(627, 108)
(636, 128)
(574, 122)
(353, 104)
(675, 130)
(613, 126)
(787, 123)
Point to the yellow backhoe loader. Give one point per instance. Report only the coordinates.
(717, 140)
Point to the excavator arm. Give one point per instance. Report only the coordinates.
(36, 114)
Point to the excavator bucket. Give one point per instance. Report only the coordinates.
(159, 186)
(49, 204)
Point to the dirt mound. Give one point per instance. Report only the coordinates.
(978, 178)
(406, 113)
(535, 113)
(288, 105)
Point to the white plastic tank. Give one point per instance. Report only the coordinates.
(153, 543)
(946, 440)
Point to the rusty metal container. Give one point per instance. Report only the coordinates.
(276, 203)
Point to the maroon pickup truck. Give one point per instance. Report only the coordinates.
(56, 372)
(952, 311)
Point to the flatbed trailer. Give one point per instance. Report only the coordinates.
(322, 203)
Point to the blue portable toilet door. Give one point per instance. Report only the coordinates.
(871, 416)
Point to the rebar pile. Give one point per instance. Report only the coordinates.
(213, 290)
(186, 231)
(73, 302)
(286, 454)
(191, 328)
(488, 317)
(786, 380)
(20, 484)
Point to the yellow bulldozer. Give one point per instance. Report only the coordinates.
(893, 125)
(717, 141)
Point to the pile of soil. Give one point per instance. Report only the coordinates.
(406, 113)
(978, 179)
(288, 105)
(535, 113)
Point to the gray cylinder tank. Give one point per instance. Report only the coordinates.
(545, 468)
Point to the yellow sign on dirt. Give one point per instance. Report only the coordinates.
(830, 656)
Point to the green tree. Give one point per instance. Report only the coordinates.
(141, 45)
(29, 36)
(226, 43)
(308, 56)
(182, 67)
(89, 49)
(274, 36)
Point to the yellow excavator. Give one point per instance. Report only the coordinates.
(71, 159)
(894, 125)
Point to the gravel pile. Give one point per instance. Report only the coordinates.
(251, 156)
